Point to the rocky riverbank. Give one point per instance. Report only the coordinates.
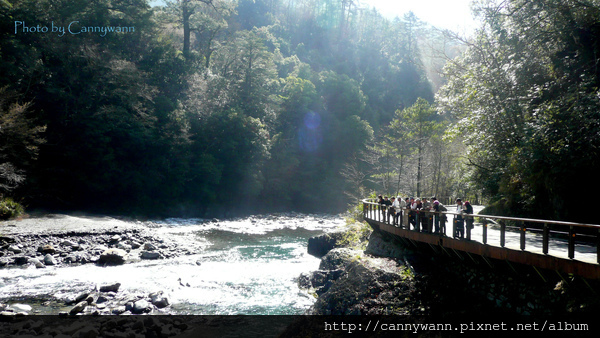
(77, 240)
(387, 277)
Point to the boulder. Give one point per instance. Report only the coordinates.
(102, 299)
(3, 262)
(150, 247)
(368, 286)
(37, 263)
(339, 258)
(21, 260)
(110, 288)
(140, 306)
(319, 246)
(379, 247)
(124, 246)
(118, 310)
(78, 308)
(14, 249)
(67, 242)
(49, 260)
(5, 239)
(82, 296)
(150, 255)
(159, 300)
(48, 249)
(91, 298)
(21, 307)
(112, 257)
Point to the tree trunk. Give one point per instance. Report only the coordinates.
(186, 13)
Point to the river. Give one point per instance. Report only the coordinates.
(242, 266)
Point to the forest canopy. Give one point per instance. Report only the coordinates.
(216, 107)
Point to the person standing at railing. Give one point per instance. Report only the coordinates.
(397, 207)
(411, 213)
(392, 211)
(386, 205)
(440, 219)
(459, 221)
(426, 220)
(468, 209)
(416, 207)
(380, 201)
(400, 210)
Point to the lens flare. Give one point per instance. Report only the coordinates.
(310, 134)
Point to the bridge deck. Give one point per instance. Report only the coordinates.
(583, 264)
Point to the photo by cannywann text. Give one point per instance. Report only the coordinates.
(73, 28)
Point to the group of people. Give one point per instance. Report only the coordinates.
(394, 208)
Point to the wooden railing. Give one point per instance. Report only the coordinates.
(425, 221)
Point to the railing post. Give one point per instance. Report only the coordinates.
(484, 230)
(598, 247)
(364, 210)
(454, 226)
(417, 221)
(400, 218)
(571, 242)
(502, 234)
(467, 228)
(545, 239)
(522, 230)
(443, 219)
(429, 222)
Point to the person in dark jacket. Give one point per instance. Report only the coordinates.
(468, 209)
(459, 220)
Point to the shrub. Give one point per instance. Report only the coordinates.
(10, 209)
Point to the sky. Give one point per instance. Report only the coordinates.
(447, 14)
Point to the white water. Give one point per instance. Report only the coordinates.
(248, 266)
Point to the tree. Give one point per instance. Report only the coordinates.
(525, 94)
(205, 18)
(20, 139)
(249, 73)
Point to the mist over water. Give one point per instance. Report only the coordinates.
(244, 266)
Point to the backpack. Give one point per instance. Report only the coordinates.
(469, 208)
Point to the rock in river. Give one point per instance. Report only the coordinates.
(78, 308)
(140, 306)
(150, 255)
(15, 249)
(67, 242)
(48, 249)
(150, 247)
(37, 263)
(21, 307)
(112, 257)
(49, 260)
(21, 260)
(159, 300)
(110, 288)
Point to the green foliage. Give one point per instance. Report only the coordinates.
(526, 96)
(355, 235)
(266, 100)
(10, 209)
(20, 139)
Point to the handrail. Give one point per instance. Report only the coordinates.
(417, 219)
(531, 220)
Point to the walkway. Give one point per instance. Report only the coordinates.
(564, 247)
